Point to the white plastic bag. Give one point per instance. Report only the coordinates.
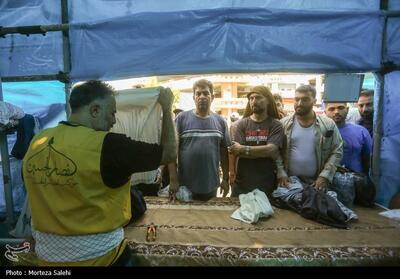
(23, 227)
(184, 194)
(392, 214)
(253, 206)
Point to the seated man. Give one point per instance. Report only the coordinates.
(77, 175)
(357, 141)
(314, 145)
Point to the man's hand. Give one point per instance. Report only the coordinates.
(283, 181)
(321, 183)
(224, 188)
(166, 99)
(173, 188)
(235, 148)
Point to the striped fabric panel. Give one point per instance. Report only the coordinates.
(201, 133)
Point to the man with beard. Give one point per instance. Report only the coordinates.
(314, 145)
(203, 141)
(357, 141)
(365, 106)
(257, 139)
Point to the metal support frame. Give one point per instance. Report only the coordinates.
(61, 76)
(7, 180)
(66, 53)
(33, 29)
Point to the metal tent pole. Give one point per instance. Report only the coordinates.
(66, 53)
(61, 76)
(5, 162)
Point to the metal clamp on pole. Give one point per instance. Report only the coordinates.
(388, 67)
(33, 29)
(63, 77)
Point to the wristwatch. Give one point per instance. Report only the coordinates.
(247, 150)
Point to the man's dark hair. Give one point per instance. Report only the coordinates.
(272, 110)
(83, 94)
(202, 83)
(367, 93)
(177, 110)
(277, 97)
(307, 89)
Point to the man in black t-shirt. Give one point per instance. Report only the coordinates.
(257, 139)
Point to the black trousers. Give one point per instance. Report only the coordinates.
(148, 189)
(205, 197)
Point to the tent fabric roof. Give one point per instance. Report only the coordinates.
(113, 39)
(40, 12)
(226, 40)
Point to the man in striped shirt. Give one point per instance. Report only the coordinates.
(203, 141)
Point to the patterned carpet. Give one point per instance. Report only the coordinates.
(202, 233)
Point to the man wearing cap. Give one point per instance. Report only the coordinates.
(257, 140)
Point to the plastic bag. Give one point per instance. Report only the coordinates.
(392, 214)
(23, 227)
(184, 194)
(364, 190)
(343, 185)
(253, 206)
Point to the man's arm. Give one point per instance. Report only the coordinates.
(281, 174)
(173, 181)
(270, 150)
(232, 168)
(225, 170)
(121, 156)
(251, 152)
(168, 134)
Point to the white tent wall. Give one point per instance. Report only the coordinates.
(113, 39)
